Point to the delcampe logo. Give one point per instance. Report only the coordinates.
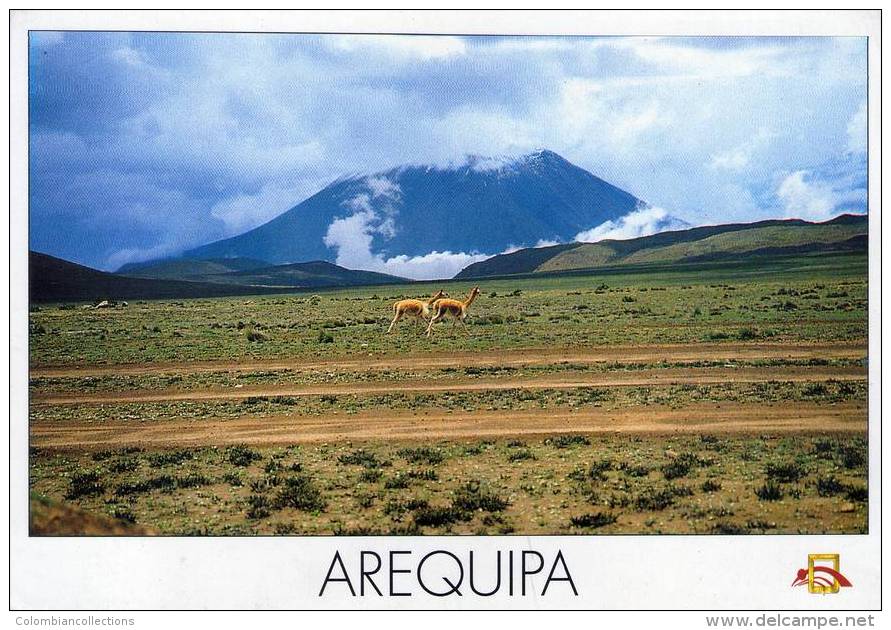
(824, 577)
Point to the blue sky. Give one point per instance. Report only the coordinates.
(143, 144)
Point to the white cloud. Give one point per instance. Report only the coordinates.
(732, 160)
(486, 164)
(613, 122)
(812, 200)
(136, 60)
(352, 238)
(666, 119)
(383, 187)
(359, 203)
(740, 157)
(47, 38)
(857, 131)
(531, 45)
(139, 254)
(402, 47)
(641, 222)
(633, 123)
(432, 266)
(510, 249)
(244, 212)
(670, 55)
(129, 56)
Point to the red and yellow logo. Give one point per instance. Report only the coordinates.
(822, 574)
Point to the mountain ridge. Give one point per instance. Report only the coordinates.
(180, 268)
(482, 205)
(777, 236)
(55, 279)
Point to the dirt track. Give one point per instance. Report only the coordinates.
(534, 356)
(640, 378)
(797, 418)
(726, 418)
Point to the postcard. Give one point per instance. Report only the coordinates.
(446, 310)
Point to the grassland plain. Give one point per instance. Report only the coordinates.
(705, 398)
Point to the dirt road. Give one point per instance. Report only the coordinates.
(733, 418)
(533, 356)
(434, 423)
(637, 378)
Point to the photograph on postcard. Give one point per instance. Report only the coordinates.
(356, 284)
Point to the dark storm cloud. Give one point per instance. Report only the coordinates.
(144, 144)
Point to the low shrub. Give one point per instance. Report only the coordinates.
(859, 494)
(241, 455)
(472, 497)
(829, 486)
(168, 458)
(432, 516)
(396, 507)
(193, 480)
(852, 457)
(84, 485)
(124, 464)
(770, 491)
(565, 441)
(593, 521)
(255, 335)
(300, 492)
(233, 479)
(421, 455)
(165, 483)
(325, 337)
(123, 513)
(597, 471)
(258, 506)
(681, 465)
(729, 529)
(488, 320)
(785, 472)
(428, 474)
(371, 475)
(397, 482)
(814, 389)
(360, 457)
(520, 455)
(654, 500)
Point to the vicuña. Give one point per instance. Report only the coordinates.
(455, 308)
(415, 308)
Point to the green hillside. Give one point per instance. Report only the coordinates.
(189, 268)
(53, 279)
(774, 237)
(306, 275)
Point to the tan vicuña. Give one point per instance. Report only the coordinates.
(419, 309)
(455, 308)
